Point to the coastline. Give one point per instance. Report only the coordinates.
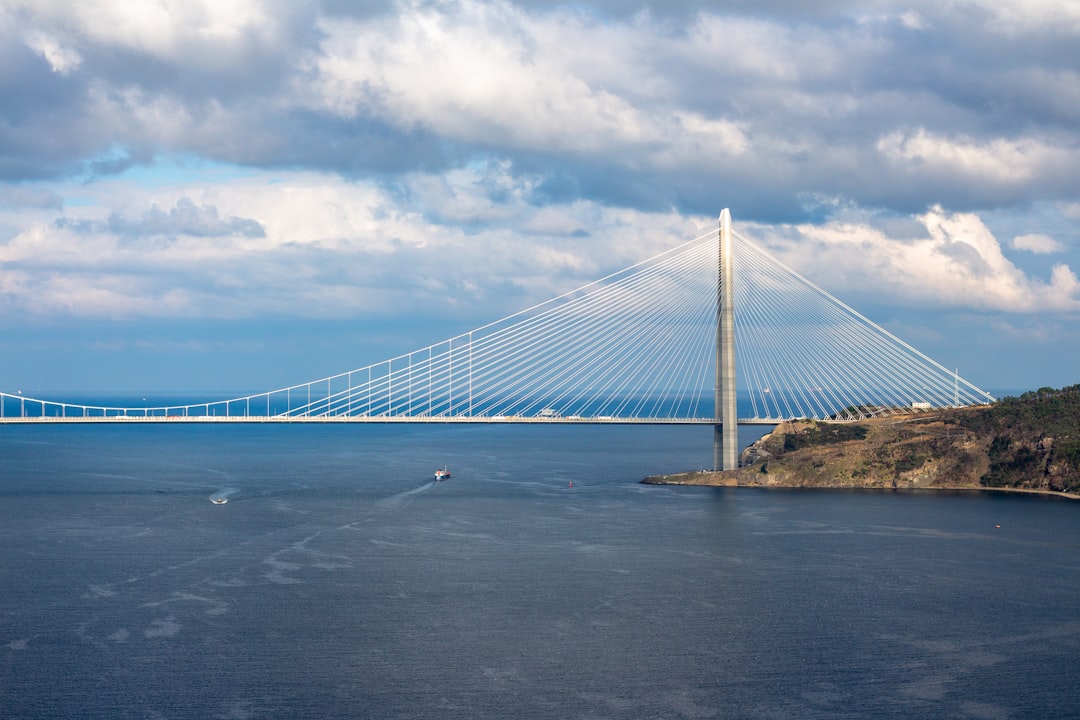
(713, 478)
(1026, 445)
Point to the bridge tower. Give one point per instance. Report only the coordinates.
(726, 429)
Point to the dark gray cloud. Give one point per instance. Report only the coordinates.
(18, 196)
(43, 129)
(814, 90)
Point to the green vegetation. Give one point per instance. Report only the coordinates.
(823, 434)
(1034, 439)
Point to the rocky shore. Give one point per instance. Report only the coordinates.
(1006, 446)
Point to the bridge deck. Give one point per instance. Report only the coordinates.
(496, 420)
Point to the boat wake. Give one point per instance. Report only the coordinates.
(222, 496)
(403, 498)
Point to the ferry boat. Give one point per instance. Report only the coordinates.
(442, 473)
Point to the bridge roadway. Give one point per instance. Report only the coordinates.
(376, 419)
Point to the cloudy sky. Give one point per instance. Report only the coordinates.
(243, 194)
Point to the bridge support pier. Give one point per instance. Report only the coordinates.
(726, 435)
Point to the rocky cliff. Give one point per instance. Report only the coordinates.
(1026, 443)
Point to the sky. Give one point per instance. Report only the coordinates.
(237, 195)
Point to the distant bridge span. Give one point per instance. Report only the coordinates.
(370, 420)
(656, 343)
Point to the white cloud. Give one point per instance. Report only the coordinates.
(460, 76)
(912, 20)
(1038, 244)
(524, 148)
(334, 248)
(170, 29)
(493, 75)
(958, 264)
(309, 245)
(1064, 281)
(60, 58)
(1029, 16)
(765, 50)
(999, 160)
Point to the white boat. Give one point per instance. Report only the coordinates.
(219, 500)
(442, 473)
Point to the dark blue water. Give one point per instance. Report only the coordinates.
(340, 581)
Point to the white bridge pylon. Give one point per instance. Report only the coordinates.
(637, 346)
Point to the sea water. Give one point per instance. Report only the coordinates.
(341, 581)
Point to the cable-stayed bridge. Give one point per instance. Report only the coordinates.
(672, 339)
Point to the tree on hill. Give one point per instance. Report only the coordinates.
(1034, 439)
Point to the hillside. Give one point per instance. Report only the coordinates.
(1031, 442)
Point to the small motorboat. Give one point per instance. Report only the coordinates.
(442, 473)
(219, 500)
